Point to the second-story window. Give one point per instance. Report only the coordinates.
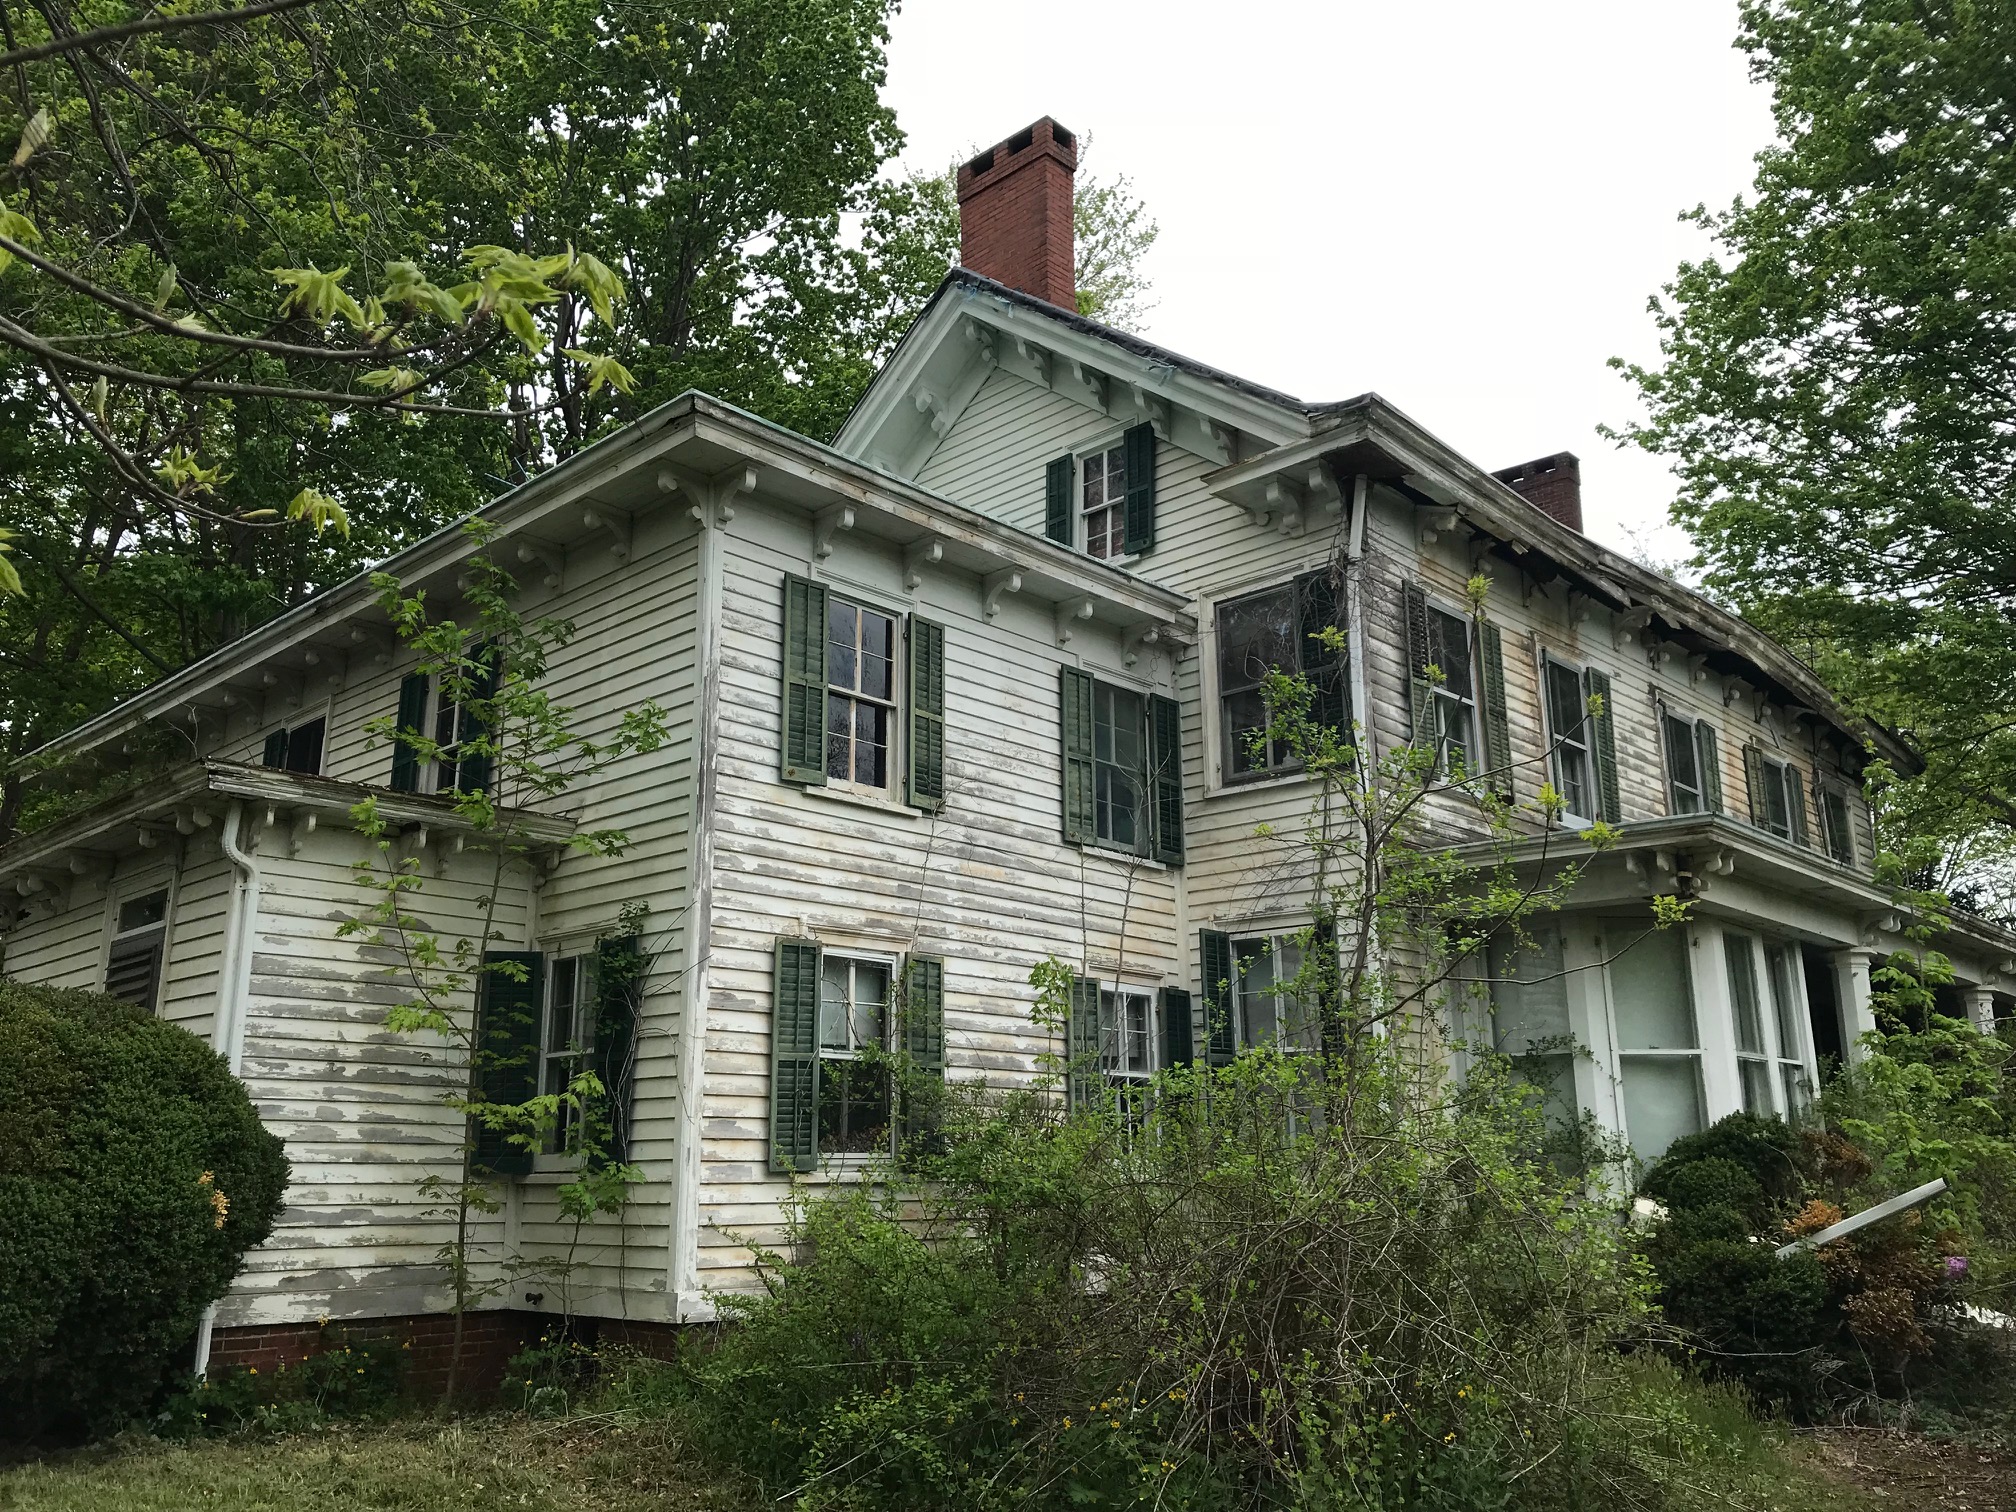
(1455, 697)
(297, 748)
(1568, 725)
(1840, 833)
(1777, 796)
(861, 694)
(1103, 501)
(1693, 765)
(1119, 742)
(1278, 630)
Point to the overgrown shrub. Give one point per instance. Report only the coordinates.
(342, 1379)
(134, 1176)
(1267, 1289)
(1859, 1317)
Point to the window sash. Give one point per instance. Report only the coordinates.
(862, 671)
(1455, 697)
(1119, 766)
(566, 1041)
(1126, 1034)
(1268, 1013)
(1777, 802)
(1683, 766)
(1102, 502)
(1241, 709)
(1568, 721)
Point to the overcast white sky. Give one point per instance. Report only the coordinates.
(1462, 205)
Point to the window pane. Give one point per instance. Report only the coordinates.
(1255, 633)
(1777, 814)
(1756, 1087)
(871, 995)
(1648, 987)
(839, 737)
(1118, 804)
(1662, 1101)
(1127, 721)
(1793, 1079)
(304, 748)
(1741, 951)
(878, 654)
(1840, 842)
(1259, 1008)
(138, 913)
(1571, 767)
(1565, 708)
(1683, 766)
(1095, 483)
(1784, 1000)
(560, 1014)
(835, 979)
(1455, 731)
(871, 744)
(1244, 714)
(842, 631)
(1529, 997)
(1452, 653)
(853, 1108)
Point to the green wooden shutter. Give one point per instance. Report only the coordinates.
(1497, 723)
(1795, 805)
(924, 1014)
(804, 734)
(1326, 671)
(1603, 744)
(1165, 762)
(506, 1041)
(1214, 950)
(1753, 778)
(1057, 480)
(1329, 1009)
(619, 988)
(1082, 1046)
(1139, 445)
(472, 772)
(794, 1058)
(1709, 757)
(276, 750)
(924, 785)
(1179, 1046)
(1075, 713)
(412, 718)
(1420, 696)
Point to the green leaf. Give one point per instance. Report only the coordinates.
(164, 289)
(10, 577)
(603, 370)
(391, 378)
(594, 278)
(16, 227)
(318, 296)
(406, 285)
(100, 392)
(320, 511)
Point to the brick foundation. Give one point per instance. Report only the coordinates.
(489, 1340)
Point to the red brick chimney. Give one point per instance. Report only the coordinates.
(1553, 485)
(1015, 213)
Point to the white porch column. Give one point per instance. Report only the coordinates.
(1714, 1020)
(1980, 1008)
(1851, 984)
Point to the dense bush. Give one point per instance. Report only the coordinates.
(134, 1176)
(1263, 1290)
(340, 1379)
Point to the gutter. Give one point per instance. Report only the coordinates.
(234, 982)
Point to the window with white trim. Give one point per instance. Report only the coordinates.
(1835, 818)
(1657, 1042)
(1687, 752)
(297, 748)
(1784, 970)
(1270, 1011)
(1529, 1019)
(139, 940)
(566, 1040)
(1568, 735)
(1119, 766)
(860, 695)
(854, 1091)
(1455, 696)
(1780, 806)
(1102, 501)
(1753, 1054)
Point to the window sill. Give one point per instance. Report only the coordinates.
(1123, 856)
(1255, 785)
(849, 796)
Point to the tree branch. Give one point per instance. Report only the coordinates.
(146, 24)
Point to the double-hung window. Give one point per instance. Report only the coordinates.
(1658, 1045)
(566, 1040)
(1530, 1023)
(860, 695)
(1102, 505)
(1119, 747)
(1777, 796)
(1770, 1050)
(1569, 728)
(1278, 630)
(139, 938)
(297, 748)
(1782, 969)
(1271, 1011)
(1836, 821)
(1753, 1054)
(854, 1100)
(1693, 765)
(1122, 773)
(1455, 696)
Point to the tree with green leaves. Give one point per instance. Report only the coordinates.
(1838, 382)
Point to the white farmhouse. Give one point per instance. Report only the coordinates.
(968, 688)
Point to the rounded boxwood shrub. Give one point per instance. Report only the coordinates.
(134, 1176)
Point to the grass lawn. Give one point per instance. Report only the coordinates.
(581, 1465)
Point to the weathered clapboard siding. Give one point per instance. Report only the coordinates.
(987, 884)
(362, 1109)
(201, 903)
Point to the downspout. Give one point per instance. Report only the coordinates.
(234, 979)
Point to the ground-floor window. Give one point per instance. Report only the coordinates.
(854, 1096)
(1530, 1023)
(565, 1041)
(1657, 1042)
(1270, 1011)
(1770, 1051)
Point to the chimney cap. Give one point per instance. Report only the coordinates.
(1013, 152)
(1552, 484)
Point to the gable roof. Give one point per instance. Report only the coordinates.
(974, 325)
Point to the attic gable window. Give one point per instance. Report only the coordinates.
(296, 749)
